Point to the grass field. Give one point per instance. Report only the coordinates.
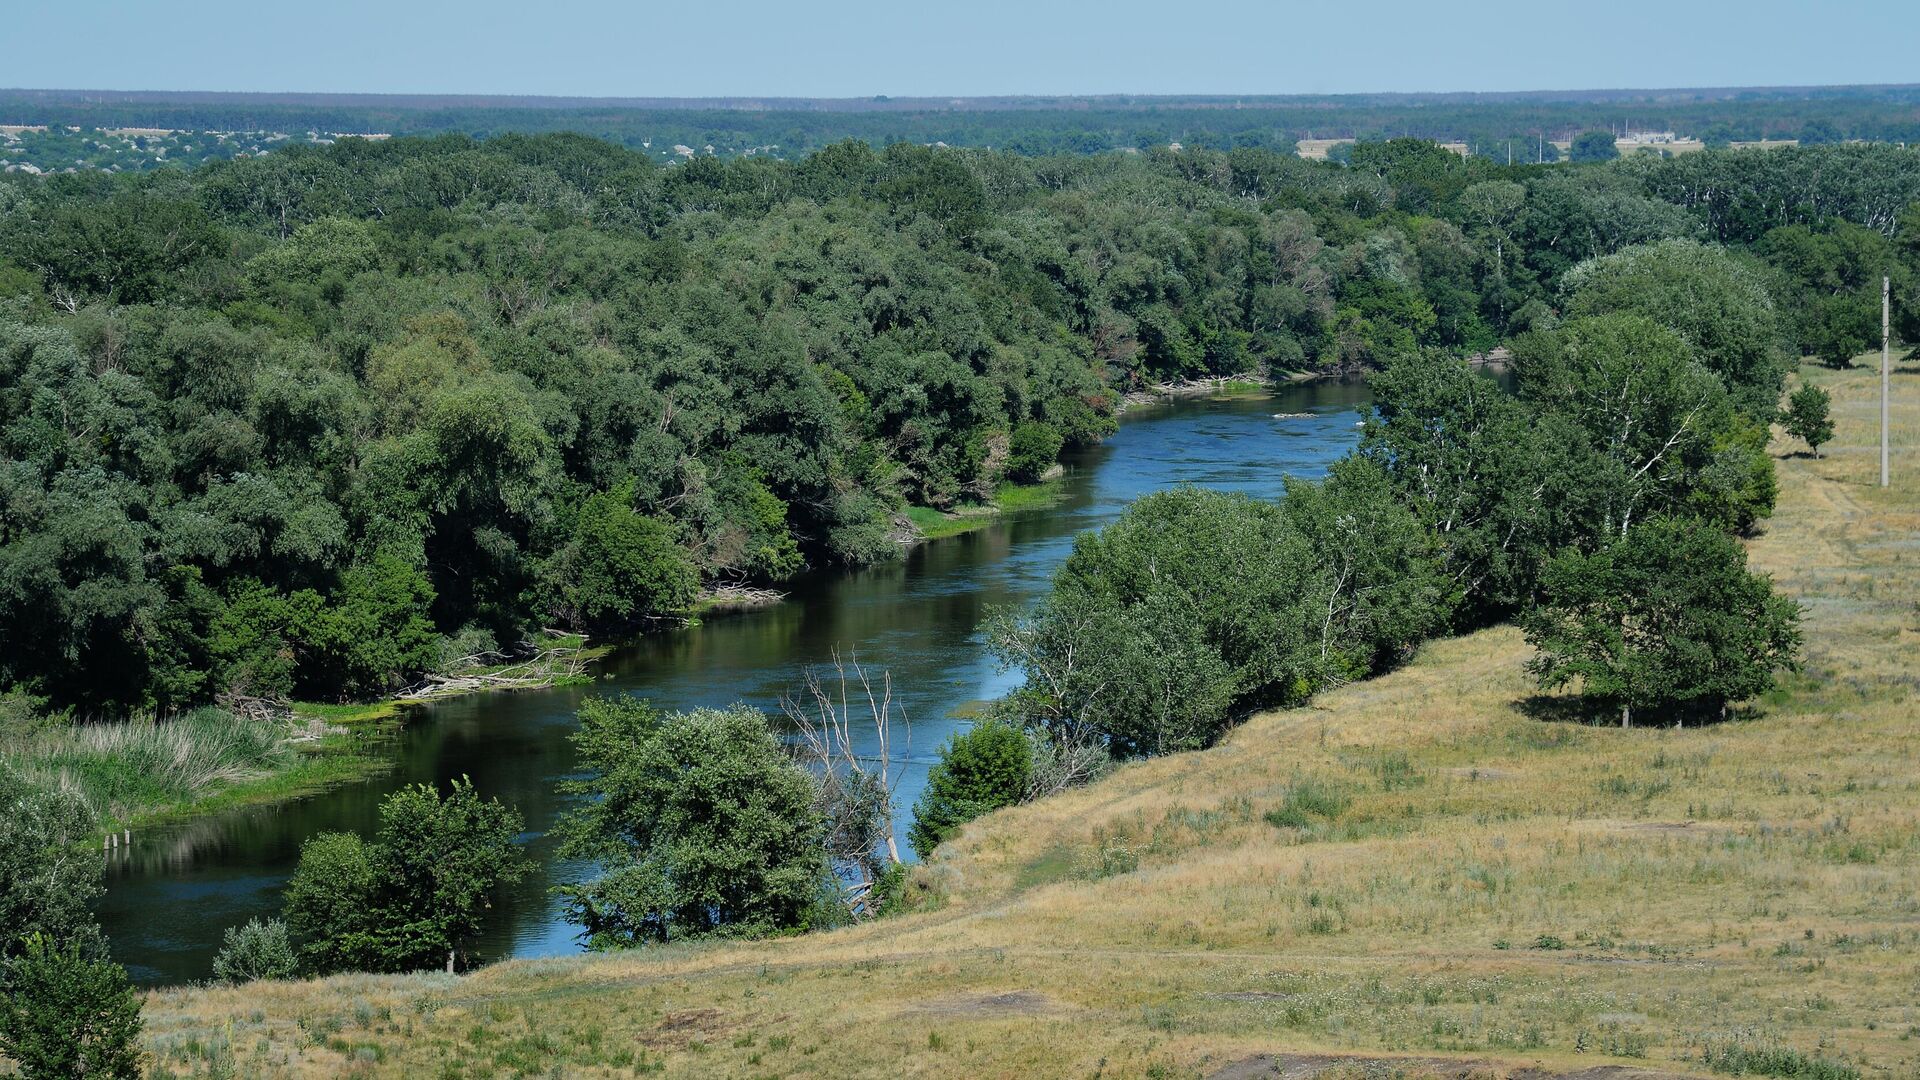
(1413, 876)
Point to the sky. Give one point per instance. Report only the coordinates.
(859, 48)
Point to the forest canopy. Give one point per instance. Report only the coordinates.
(289, 425)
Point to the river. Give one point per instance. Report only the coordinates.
(172, 892)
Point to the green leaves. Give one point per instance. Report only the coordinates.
(1196, 605)
(1807, 417)
(979, 771)
(65, 1014)
(702, 822)
(1666, 619)
(414, 896)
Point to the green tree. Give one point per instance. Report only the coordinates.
(621, 567)
(980, 770)
(703, 824)
(370, 636)
(1807, 417)
(1032, 450)
(1666, 620)
(413, 897)
(1591, 146)
(330, 905)
(67, 1015)
(1717, 303)
(439, 860)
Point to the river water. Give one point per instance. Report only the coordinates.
(170, 895)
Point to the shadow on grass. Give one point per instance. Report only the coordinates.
(1565, 709)
(1573, 709)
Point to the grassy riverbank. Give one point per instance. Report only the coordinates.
(138, 774)
(1007, 499)
(145, 773)
(1418, 867)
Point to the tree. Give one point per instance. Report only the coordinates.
(439, 861)
(254, 951)
(1807, 417)
(1717, 303)
(621, 567)
(1483, 474)
(1590, 146)
(1647, 412)
(370, 636)
(701, 822)
(980, 770)
(330, 905)
(1666, 619)
(47, 880)
(412, 898)
(65, 1014)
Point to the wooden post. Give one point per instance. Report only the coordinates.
(1886, 309)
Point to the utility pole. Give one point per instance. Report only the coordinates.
(1886, 309)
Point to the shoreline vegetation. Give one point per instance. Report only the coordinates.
(318, 745)
(1424, 871)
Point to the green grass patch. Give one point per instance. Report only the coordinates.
(347, 714)
(143, 772)
(1310, 801)
(1007, 499)
(1745, 1057)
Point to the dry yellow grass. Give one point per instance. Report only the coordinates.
(1498, 888)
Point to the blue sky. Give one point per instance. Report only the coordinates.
(841, 48)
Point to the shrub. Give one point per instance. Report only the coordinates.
(1032, 450)
(980, 770)
(65, 1014)
(1807, 417)
(1308, 799)
(620, 567)
(257, 950)
(1742, 1057)
(46, 880)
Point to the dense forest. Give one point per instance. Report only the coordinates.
(306, 424)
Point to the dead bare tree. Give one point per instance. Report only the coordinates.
(855, 789)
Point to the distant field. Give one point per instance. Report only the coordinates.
(1413, 876)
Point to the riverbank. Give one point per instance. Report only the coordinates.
(1488, 891)
(143, 774)
(330, 744)
(1009, 498)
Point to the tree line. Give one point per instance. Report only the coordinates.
(299, 425)
(1033, 127)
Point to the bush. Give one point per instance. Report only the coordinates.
(703, 823)
(979, 771)
(1808, 418)
(66, 1014)
(1741, 1057)
(1307, 800)
(257, 950)
(1032, 450)
(620, 568)
(47, 880)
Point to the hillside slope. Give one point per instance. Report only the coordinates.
(1428, 866)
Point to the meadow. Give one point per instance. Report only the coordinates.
(1435, 872)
